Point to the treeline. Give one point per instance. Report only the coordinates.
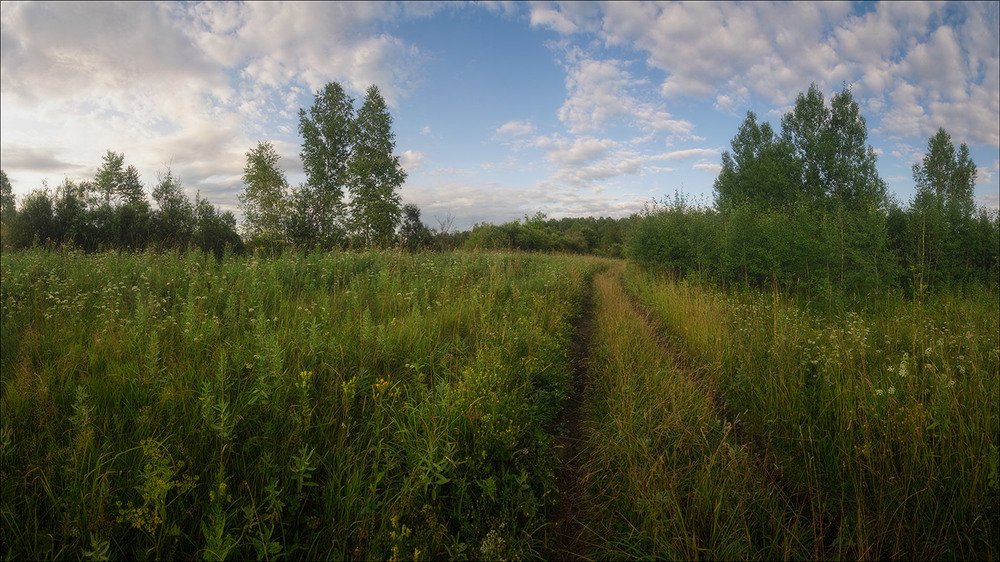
(588, 235)
(112, 211)
(806, 210)
(350, 197)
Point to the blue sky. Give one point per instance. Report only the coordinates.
(500, 109)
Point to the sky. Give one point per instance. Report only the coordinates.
(500, 110)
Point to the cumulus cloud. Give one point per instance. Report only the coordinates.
(216, 78)
(709, 167)
(907, 63)
(472, 203)
(584, 160)
(411, 160)
(984, 174)
(516, 128)
(600, 93)
(989, 200)
(29, 158)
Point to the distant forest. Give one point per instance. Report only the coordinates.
(803, 208)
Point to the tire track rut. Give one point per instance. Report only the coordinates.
(796, 496)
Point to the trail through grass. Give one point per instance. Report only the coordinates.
(667, 479)
(380, 405)
(886, 417)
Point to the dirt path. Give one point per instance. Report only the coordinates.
(568, 542)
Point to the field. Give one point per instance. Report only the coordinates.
(384, 405)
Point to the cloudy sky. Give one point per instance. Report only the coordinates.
(500, 109)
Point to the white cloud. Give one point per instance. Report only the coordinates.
(688, 153)
(188, 85)
(411, 160)
(516, 128)
(580, 151)
(472, 203)
(547, 16)
(600, 94)
(709, 167)
(989, 200)
(984, 174)
(731, 52)
(585, 160)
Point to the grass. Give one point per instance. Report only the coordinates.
(669, 480)
(888, 416)
(371, 405)
(380, 405)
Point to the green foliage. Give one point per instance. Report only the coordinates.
(829, 144)
(35, 221)
(761, 170)
(214, 231)
(323, 401)
(941, 227)
(413, 233)
(7, 202)
(374, 172)
(807, 212)
(327, 143)
(264, 201)
(588, 235)
(172, 222)
(113, 212)
(109, 182)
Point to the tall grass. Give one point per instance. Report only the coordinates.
(345, 405)
(888, 415)
(668, 479)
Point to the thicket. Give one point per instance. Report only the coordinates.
(588, 235)
(806, 211)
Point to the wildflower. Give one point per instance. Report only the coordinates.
(892, 390)
(878, 392)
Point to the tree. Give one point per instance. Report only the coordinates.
(326, 149)
(130, 189)
(374, 172)
(173, 221)
(761, 169)
(943, 210)
(34, 223)
(214, 231)
(829, 144)
(72, 218)
(7, 201)
(108, 183)
(414, 233)
(263, 199)
(303, 223)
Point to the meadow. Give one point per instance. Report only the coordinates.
(388, 405)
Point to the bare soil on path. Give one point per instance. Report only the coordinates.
(568, 513)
